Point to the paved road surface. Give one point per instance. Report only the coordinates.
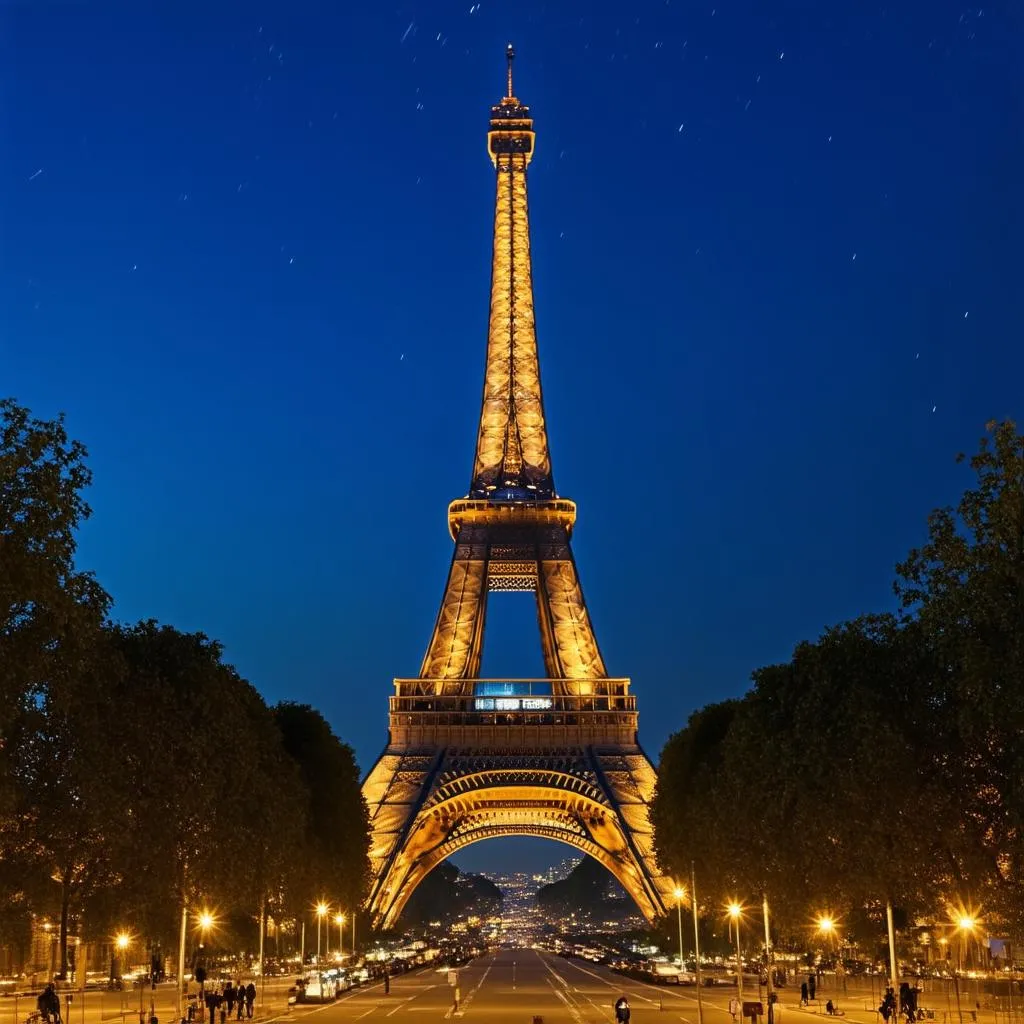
(513, 986)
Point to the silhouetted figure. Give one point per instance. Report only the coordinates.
(48, 1004)
(622, 1010)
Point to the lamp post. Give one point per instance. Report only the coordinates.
(770, 986)
(121, 942)
(696, 941)
(966, 923)
(680, 893)
(205, 921)
(339, 920)
(735, 912)
(827, 927)
(321, 913)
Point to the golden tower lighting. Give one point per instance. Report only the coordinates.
(470, 759)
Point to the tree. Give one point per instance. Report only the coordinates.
(790, 792)
(337, 836)
(216, 805)
(42, 477)
(882, 762)
(686, 818)
(964, 590)
(69, 791)
(50, 613)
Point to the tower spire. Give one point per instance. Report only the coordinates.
(512, 444)
(510, 53)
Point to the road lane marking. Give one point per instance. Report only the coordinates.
(464, 1004)
(409, 999)
(605, 981)
(675, 993)
(368, 1012)
(571, 1007)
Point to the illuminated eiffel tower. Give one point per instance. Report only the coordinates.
(468, 758)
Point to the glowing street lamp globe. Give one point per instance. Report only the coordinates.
(734, 910)
(122, 940)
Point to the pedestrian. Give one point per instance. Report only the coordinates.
(734, 1008)
(812, 984)
(240, 989)
(250, 999)
(48, 1004)
(212, 1000)
(622, 1010)
(803, 993)
(229, 995)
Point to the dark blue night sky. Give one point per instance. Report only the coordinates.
(778, 270)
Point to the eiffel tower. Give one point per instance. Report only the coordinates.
(469, 758)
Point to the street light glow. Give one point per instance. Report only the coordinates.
(122, 940)
(734, 910)
(826, 924)
(339, 919)
(205, 920)
(680, 893)
(321, 909)
(964, 918)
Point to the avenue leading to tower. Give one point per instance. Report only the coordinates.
(470, 759)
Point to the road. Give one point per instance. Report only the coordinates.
(513, 986)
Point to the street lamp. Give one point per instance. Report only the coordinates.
(696, 941)
(339, 920)
(827, 927)
(965, 920)
(735, 912)
(680, 894)
(206, 921)
(321, 913)
(121, 942)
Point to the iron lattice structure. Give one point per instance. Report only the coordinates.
(470, 759)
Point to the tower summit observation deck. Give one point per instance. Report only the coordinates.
(470, 759)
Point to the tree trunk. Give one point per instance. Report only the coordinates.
(65, 902)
